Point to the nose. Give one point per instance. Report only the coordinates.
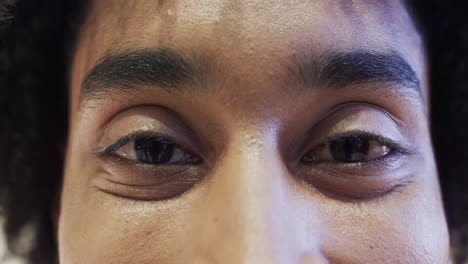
(254, 211)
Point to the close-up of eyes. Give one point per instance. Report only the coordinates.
(352, 134)
(351, 147)
(355, 151)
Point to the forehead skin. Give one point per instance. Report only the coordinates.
(238, 30)
(250, 210)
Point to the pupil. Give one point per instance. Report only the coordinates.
(153, 150)
(350, 149)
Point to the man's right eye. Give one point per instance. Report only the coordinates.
(148, 166)
(151, 149)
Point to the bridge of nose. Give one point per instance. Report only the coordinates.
(254, 211)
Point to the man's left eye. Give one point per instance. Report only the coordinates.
(349, 149)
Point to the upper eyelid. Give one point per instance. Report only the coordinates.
(334, 110)
(400, 147)
(179, 128)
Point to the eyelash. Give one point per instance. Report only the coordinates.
(396, 148)
(116, 145)
(110, 150)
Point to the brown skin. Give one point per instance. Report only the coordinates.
(251, 199)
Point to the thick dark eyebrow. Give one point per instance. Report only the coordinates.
(173, 70)
(165, 68)
(343, 69)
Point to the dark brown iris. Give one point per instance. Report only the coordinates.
(154, 150)
(350, 149)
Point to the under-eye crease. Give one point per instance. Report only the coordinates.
(362, 177)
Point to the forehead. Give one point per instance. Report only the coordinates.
(248, 35)
(249, 25)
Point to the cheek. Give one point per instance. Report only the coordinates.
(408, 226)
(95, 227)
(103, 229)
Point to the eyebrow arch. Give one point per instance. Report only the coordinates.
(172, 69)
(164, 67)
(341, 69)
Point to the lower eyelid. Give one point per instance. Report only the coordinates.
(382, 162)
(352, 187)
(390, 162)
(139, 193)
(376, 168)
(146, 185)
(367, 196)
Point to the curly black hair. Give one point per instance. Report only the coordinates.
(36, 41)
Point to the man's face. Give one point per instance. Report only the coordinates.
(250, 132)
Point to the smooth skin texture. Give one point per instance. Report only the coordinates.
(252, 179)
